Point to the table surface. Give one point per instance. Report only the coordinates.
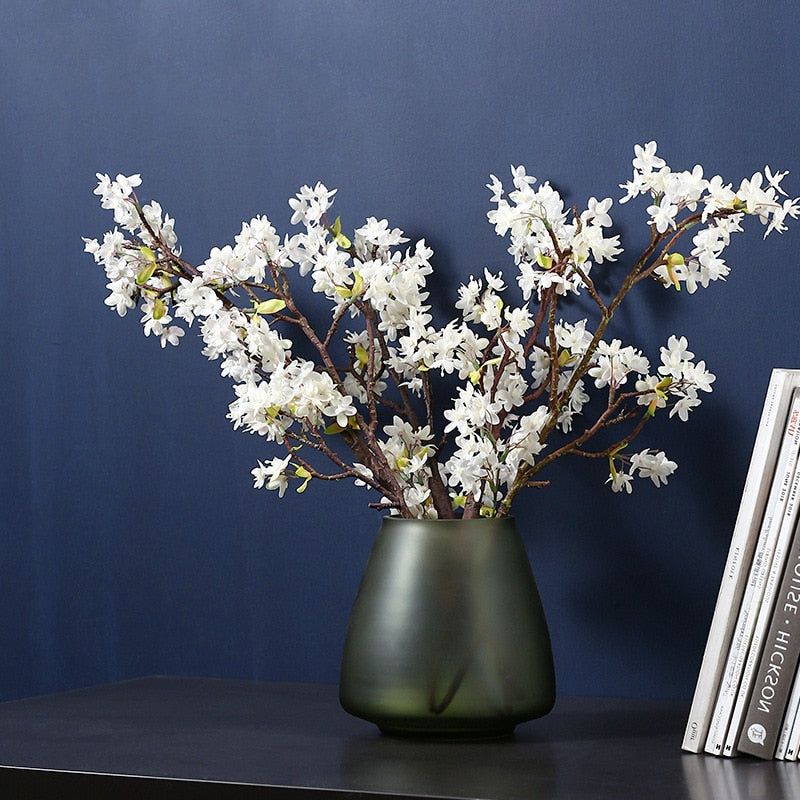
(198, 737)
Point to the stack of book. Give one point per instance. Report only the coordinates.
(747, 699)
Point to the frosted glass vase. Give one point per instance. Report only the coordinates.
(447, 636)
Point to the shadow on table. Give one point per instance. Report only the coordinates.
(460, 769)
(713, 778)
(573, 719)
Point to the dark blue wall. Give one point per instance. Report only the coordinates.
(132, 542)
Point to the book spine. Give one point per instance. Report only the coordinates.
(789, 742)
(778, 658)
(754, 590)
(790, 729)
(782, 747)
(743, 540)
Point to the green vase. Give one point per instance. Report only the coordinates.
(447, 636)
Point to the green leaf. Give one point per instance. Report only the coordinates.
(349, 292)
(148, 254)
(344, 292)
(302, 472)
(159, 309)
(335, 427)
(362, 355)
(270, 306)
(146, 274)
(338, 236)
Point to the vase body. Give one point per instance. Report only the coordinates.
(447, 636)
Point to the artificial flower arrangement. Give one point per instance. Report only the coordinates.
(359, 401)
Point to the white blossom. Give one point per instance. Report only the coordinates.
(362, 382)
(655, 466)
(272, 475)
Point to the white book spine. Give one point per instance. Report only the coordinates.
(754, 590)
(759, 476)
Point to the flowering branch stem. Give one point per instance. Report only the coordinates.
(522, 377)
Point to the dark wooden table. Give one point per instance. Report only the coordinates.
(203, 738)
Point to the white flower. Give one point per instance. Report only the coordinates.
(376, 233)
(524, 442)
(220, 332)
(718, 195)
(655, 466)
(573, 337)
(519, 320)
(121, 296)
(171, 335)
(674, 356)
(753, 195)
(774, 179)
(340, 407)
(152, 324)
(633, 188)
(472, 409)
(590, 241)
(789, 208)
(115, 197)
(195, 299)
(645, 159)
(597, 212)
(468, 297)
(651, 395)
(258, 237)
(685, 188)
(662, 215)
(265, 346)
(272, 475)
(685, 404)
(698, 376)
(511, 388)
(496, 187)
(621, 482)
(309, 205)
(521, 178)
(614, 363)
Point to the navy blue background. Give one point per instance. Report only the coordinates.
(131, 540)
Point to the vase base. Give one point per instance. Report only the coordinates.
(490, 732)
